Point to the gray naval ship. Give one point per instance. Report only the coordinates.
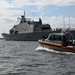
(28, 30)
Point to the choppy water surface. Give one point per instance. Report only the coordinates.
(27, 58)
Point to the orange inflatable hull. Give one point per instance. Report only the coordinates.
(57, 47)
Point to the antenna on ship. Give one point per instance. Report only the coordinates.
(24, 14)
(69, 23)
(64, 20)
(63, 30)
(33, 16)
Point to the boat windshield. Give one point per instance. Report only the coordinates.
(54, 37)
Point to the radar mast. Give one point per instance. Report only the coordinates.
(24, 14)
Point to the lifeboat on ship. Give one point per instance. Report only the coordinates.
(60, 42)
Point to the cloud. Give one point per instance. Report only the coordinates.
(7, 5)
(44, 2)
(59, 22)
(4, 4)
(62, 2)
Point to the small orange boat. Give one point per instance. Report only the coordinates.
(60, 42)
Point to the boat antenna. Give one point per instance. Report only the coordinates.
(69, 23)
(33, 16)
(64, 20)
(24, 14)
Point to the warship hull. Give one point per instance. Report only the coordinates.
(27, 36)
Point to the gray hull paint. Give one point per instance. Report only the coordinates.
(27, 36)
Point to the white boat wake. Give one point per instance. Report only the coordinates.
(51, 50)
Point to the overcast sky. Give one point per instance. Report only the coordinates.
(50, 11)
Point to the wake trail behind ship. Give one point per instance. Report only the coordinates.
(51, 50)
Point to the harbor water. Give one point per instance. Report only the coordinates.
(28, 58)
